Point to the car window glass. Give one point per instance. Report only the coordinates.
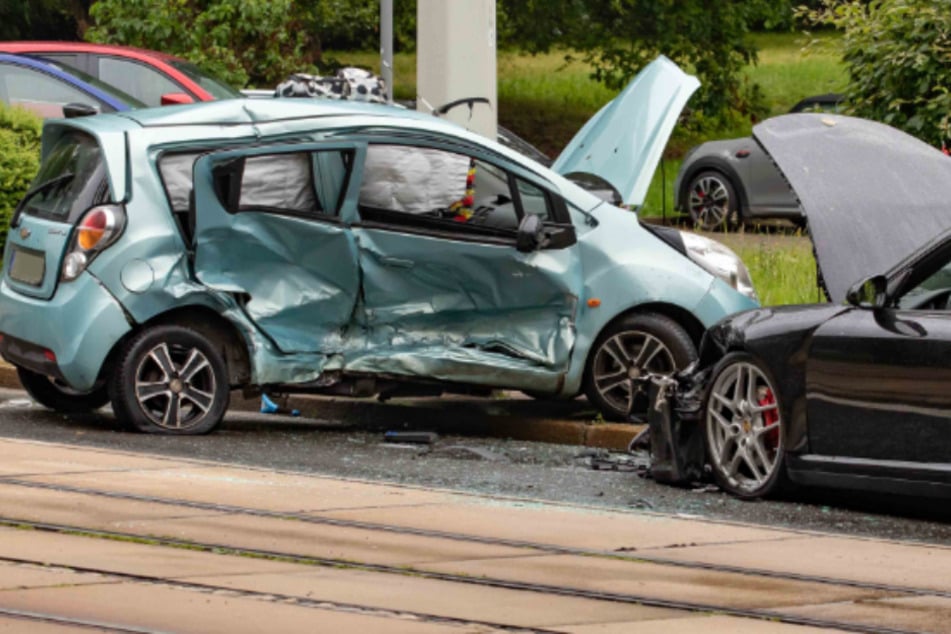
(332, 171)
(138, 80)
(176, 173)
(921, 296)
(280, 181)
(275, 181)
(412, 180)
(39, 92)
(217, 88)
(67, 181)
(534, 200)
(69, 59)
(425, 187)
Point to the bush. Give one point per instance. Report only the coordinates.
(241, 41)
(898, 54)
(19, 159)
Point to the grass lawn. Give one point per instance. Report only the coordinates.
(781, 265)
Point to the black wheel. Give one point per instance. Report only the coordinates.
(59, 397)
(169, 380)
(712, 202)
(744, 428)
(630, 348)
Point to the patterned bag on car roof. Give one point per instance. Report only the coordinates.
(350, 83)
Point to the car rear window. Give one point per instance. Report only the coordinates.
(72, 178)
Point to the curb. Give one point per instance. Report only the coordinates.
(517, 418)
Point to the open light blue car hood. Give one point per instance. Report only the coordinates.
(622, 144)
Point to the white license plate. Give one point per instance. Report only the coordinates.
(27, 266)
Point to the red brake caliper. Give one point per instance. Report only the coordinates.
(770, 416)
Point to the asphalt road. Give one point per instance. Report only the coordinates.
(522, 469)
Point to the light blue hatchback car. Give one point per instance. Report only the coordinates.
(165, 257)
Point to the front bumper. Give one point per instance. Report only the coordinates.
(80, 325)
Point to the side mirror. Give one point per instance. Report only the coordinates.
(531, 233)
(175, 99)
(869, 293)
(77, 109)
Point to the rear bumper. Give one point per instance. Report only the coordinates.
(80, 324)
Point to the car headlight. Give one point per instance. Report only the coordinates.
(717, 259)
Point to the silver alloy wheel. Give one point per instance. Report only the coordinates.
(709, 202)
(745, 447)
(175, 386)
(624, 358)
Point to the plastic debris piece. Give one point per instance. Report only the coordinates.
(414, 437)
(270, 407)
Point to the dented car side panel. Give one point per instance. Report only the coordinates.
(299, 274)
(474, 313)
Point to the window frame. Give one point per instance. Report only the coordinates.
(448, 229)
(310, 149)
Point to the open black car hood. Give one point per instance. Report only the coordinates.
(872, 194)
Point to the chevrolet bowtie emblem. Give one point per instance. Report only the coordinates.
(24, 233)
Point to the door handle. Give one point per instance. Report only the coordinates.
(397, 263)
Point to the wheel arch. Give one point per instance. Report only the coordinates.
(683, 317)
(210, 324)
(714, 164)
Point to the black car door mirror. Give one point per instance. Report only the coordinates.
(76, 109)
(869, 293)
(531, 233)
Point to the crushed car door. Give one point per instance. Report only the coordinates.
(448, 295)
(268, 231)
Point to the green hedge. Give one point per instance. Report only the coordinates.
(19, 159)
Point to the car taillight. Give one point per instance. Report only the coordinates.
(97, 229)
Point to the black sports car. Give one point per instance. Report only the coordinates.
(855, 393)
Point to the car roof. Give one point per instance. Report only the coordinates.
(259, 111)
(52, 46)
(58, 72)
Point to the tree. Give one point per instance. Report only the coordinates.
(248, 41)
(259, 41)
(43, 19)
(898, 54)
(619, 37)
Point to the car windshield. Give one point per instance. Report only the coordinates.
(217, 88)
(109, 89)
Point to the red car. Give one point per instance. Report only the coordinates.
(151, 77)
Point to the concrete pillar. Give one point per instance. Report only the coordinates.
(455, 58)
(386, 46)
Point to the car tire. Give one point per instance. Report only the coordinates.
(744, 436)
(712, 202)
(626, 351)
(169, 380)
(60, 398)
